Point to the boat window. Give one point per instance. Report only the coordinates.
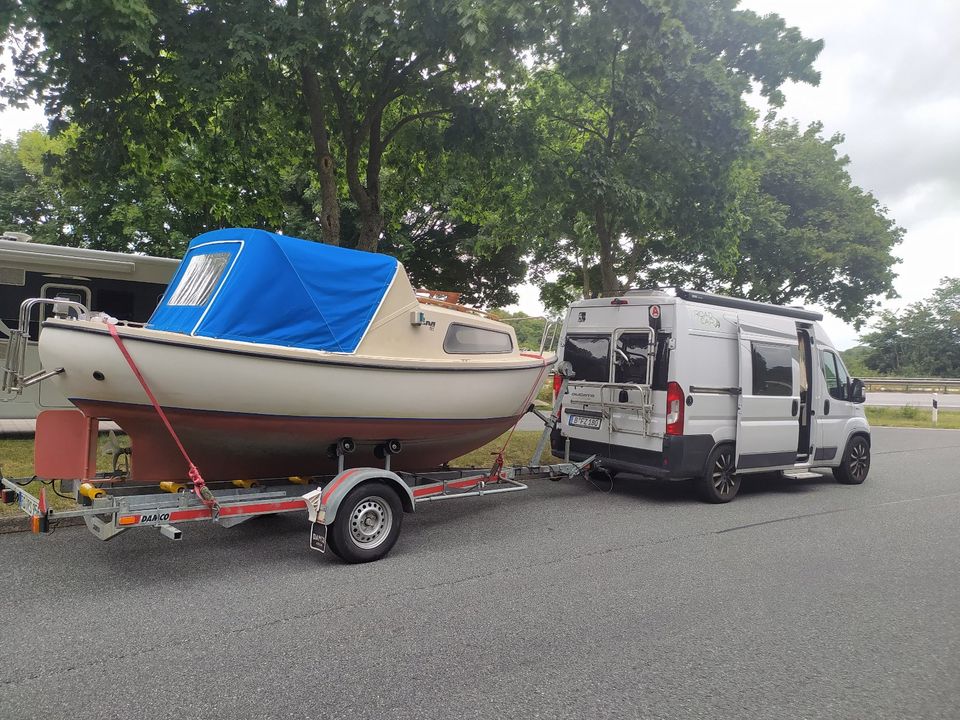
(773, 369)
(630, 358)
(590, 357)
(470, 339)
(200, 278)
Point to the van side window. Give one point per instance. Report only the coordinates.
(630, 358)
(590, 357)
(834, 374)
(773, 369)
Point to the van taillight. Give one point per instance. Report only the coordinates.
(557, 384)
(675, 401)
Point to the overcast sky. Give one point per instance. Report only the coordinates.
(890, 82)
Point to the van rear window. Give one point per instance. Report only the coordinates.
(630, 360)
(590, 357)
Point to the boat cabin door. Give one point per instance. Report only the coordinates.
(769, 405)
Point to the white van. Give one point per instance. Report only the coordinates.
(695, 385)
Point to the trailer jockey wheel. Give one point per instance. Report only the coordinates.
(719, 482)
(367, 523)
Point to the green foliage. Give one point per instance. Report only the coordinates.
(529, 329)
(855, 361)
(643, 127)
(922, 340)
(591, 144)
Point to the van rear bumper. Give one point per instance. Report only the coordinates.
(683, 456)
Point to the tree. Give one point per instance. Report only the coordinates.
(347, 78)
(922, 340)
(644, 124)
(809, 233)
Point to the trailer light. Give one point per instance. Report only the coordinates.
(675, 404)
(128, 520)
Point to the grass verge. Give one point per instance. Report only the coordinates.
(16, 461)
(909, 416)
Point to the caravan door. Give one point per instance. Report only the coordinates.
(768, 426)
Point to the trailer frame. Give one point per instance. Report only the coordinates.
(109, 508)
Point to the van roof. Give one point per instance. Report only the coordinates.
(660, 297)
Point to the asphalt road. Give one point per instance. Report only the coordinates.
(801, 599)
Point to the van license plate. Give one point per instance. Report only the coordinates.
(585, 422)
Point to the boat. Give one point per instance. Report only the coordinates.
(267, 352)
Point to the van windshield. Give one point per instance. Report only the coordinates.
(590, 357)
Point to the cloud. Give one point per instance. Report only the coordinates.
(889, 84)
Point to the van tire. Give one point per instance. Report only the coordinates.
(855, 464)
(719, 482)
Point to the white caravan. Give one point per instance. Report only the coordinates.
(123, 285)
(695, 385)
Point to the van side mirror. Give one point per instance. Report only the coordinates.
(857, 392)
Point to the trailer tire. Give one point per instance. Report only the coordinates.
(719, 482)
(855, 463)
(367, 523)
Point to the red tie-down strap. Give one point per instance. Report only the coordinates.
(199, 486)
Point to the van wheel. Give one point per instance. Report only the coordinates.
(719, 482)
(367, 523)
(855, 464)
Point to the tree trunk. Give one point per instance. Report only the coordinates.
(585, 269)
(367, 197)
(323, 159)
(609, 282)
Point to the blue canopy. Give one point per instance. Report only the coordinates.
(257, 286)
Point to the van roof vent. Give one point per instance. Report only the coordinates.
(17, 236)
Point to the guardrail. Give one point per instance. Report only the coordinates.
(944, 385)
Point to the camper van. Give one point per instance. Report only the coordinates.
(691, 385)
(125, 286)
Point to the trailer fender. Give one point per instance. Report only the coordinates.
(323, 503)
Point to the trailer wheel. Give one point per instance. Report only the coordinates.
(367, 523)
(855, 464)
(719, 482)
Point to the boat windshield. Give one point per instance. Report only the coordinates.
(200, 278)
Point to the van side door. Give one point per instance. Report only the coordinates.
(768, 429)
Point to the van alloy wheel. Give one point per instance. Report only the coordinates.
(723, 477)
(720, 482)
(855, 464)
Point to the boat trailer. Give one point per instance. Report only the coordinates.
(355, 513)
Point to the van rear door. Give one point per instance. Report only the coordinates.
(767, 414)
(608, 398)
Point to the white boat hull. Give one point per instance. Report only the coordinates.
(246, 411)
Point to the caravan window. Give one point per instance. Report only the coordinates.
(590, 357)
(200, 278)
(773, 369)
